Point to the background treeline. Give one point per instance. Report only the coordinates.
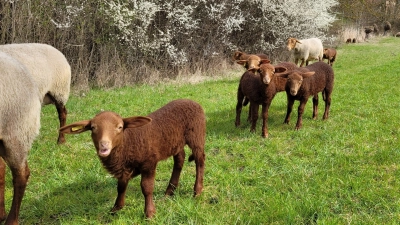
(115, 43)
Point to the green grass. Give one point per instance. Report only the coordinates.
(344, 170)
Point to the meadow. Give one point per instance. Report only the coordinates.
(344, 170)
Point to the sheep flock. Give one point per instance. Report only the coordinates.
(34, 75)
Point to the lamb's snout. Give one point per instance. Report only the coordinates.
(293, 92)
(105, 147)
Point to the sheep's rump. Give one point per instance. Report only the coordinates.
(309, 49)
(48, 67)
(20, 103)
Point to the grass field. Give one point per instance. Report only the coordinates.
(344, 170)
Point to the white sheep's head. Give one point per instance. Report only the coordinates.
(107, 130)
(252, 63)
(292, 43)
(295, 79)
(267, 72)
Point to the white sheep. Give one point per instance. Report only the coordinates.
(20, 105)
(50, 70)
(306, 50)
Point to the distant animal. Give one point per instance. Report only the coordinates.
(131, 146)
(20, 105)
(348, 40)
(387, 27)
(354, 40)
(50, 70)
(301, 85)
(306, 50)
(330, 55)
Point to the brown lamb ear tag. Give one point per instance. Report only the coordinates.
(77, 128)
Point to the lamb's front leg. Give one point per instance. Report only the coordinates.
(254, 115)
(289, 110)
(121, 189)
(147, 185)
(265, 107)
(299, 123)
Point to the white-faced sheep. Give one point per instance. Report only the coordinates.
(306, 50)
(259, 90)
(330, 55)
(20, 104)
(50, 70)
(301, 85)
(131, 146)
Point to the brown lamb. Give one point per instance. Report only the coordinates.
(131, 146)
(301, 85)
(330, 55)
(249, 61)
(259, 90)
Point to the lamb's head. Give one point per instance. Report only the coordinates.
(292, 43)
(267, 72)
(295, 79)
(238, 55)
(252, 63)
(107, 130)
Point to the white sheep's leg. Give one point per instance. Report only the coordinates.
(289, 110)
(20, 176)
(147, 185)
(302, 63)
(296, 61)
(315, 106)
(62, 116)
(121, 189)
(2, 186)
(179, 159)
(300, 112)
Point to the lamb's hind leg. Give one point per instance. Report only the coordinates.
(327, 99)
(199, 158)
(315, 106)
(176, 172)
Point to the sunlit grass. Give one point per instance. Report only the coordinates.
(341, 171)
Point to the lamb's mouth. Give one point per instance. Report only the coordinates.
(104, 152)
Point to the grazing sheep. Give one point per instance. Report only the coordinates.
(354, 40)
(386, 27)
(131, 146)
(238, 55)
(51, 71)
(348, 40)
(20, 104)
(306, 50)
(252, 62)
(330, 55)
(301, 85)
(259, 90)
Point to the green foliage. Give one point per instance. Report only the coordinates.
(339, 171)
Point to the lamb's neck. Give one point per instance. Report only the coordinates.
(117, 163)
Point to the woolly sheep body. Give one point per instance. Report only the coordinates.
(306, 49)
(50, 70)
(128, 147)
(20, 105)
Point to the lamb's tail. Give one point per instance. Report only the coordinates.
(245, 101)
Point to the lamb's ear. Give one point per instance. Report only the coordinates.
(264, 61)
(307, 74)
(76, 128)
(241, 62)
(136, 121)
(280, 69)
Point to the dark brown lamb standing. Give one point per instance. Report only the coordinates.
(133, 146)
